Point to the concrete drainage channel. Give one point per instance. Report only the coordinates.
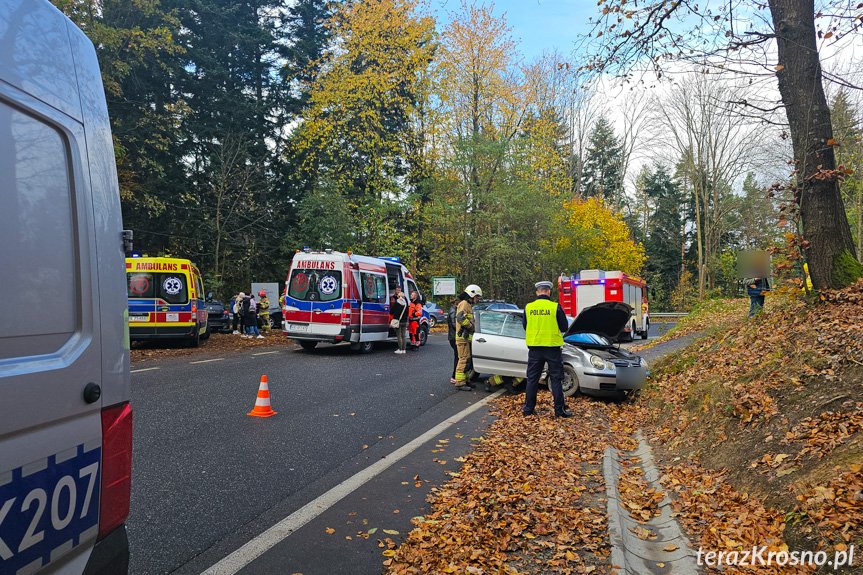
(662, 548)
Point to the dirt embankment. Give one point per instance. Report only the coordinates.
(760, 423)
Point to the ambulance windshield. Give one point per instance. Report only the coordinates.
(315, 285)
(170, 287)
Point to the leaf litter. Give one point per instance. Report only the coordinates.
(530, 497)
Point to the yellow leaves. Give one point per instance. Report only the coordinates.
(330, 530)
(592, 236)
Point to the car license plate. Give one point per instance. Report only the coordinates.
(139, 318)
(172, 317)
(48, 507)
(297, 327)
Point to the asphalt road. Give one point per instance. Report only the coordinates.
(207, 478)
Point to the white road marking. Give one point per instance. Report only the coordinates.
(265, 352)
(281, 530)
(207, 360)
(143, 369)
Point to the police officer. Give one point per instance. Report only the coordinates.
(544, 321)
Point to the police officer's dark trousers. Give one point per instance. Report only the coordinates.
(537, 357)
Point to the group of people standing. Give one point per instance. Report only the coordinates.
(544, 322)
(405, 319)
(250, 316)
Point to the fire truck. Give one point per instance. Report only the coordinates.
(590, 287)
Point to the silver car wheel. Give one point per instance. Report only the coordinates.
(570, 381)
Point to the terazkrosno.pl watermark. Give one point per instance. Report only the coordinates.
(760, 556)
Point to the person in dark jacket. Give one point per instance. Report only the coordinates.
(399, 311)
(544, 321)
(756, 288)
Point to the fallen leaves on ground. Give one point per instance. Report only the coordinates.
(639, 500)
(835, 509)
(722, 519)
(217, 345)
(826, 432)
(529, 498)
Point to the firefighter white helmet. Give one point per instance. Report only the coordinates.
(473, 290)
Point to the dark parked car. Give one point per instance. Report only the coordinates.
(496, 304)
(217, 316)
(436, 314)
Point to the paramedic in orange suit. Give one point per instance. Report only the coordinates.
(415, 312)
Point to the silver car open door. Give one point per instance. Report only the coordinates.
(498, 344)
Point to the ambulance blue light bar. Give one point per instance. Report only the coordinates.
(390, 259)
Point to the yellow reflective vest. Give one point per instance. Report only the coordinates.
(542, 328)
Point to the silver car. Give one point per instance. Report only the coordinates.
(591, 363)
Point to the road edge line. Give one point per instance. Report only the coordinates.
(262, 543)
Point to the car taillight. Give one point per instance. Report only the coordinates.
(225, 312)
(346, 313)
(116, 467)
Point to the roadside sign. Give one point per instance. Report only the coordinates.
(272, 290)
(445, 285)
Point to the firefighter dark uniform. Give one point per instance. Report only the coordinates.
(544, 320)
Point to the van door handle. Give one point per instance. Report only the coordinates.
(317, 311)
(480, 340)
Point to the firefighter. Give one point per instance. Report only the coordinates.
(464, 333)
(415, 312)
(544, 321)
(264, 311)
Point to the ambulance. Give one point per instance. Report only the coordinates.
(339, 297)
(166, 300)
(590, 287)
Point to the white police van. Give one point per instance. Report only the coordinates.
(65, 419)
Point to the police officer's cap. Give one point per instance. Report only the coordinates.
(539, 285)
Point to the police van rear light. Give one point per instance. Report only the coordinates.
(116, 484)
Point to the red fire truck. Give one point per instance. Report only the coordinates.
(590, 287)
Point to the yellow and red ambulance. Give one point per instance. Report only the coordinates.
(166, 300)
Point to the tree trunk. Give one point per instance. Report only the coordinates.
(822, 212)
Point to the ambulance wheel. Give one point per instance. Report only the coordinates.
(206, 334)
(570, 381)
(308, 345)
(646, 330)
(363, 347)
(195, 341)
(423, 334)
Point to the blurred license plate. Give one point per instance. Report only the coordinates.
(172, 317)
(630, 377)
(139, 318)
(48, 507)
(297, 327)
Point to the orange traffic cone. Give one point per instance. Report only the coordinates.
(262, 405)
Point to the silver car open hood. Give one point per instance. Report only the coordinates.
(606, 318)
